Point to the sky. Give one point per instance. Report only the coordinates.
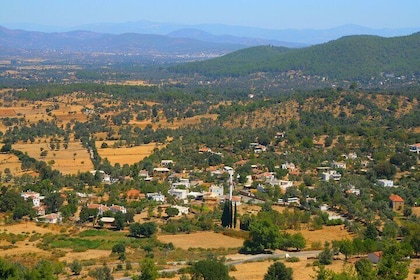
(272, 14)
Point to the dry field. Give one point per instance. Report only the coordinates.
(68, 161)
(325, 234)
(125, 155)
(12, 163)
(302, 270)
(206, 240)
(416, 211)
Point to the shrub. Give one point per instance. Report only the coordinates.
(292, 259)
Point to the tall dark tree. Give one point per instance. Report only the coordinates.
(227, 214)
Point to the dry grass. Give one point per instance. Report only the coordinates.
(206, 240)
(302, 270)
(129, 155)
(68, 161)
(12, 163)
(416, 211)
(325, 234)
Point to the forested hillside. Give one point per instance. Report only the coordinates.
(352, 57)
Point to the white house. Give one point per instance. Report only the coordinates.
(182, 182)
(216, 190)
(294, 200)
(166, 162)
(179, 193)
(338, 164)
(182, 210)
(158, 197)
(331, 175)
(353, 190)
(35, 196)
(386, 183)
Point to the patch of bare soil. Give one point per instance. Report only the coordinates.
(206, 240)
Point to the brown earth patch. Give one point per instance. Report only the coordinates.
(125, 155)
(206, 240)
(68, 161)
(325, 234)
(302, 270)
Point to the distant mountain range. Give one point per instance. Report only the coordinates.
(294, 36)
(145, 45)
(349, 58)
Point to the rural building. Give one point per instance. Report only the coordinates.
(415, 148)
(396, 201)
(182, 210)
(178, 193)
(117, 208)
(353, 190)
(331, 175)
(375, 257)
(204, 150)
(158, 197)
(161, 170)
(35, 196)
(166, 163)
(386, 183)
(216, 190)
(52, 218)
(338, 164)
(288, 166)
(182, 183)
(101, 208)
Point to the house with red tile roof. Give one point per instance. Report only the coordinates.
(397, 202)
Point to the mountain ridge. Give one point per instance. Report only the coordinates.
(357, 57)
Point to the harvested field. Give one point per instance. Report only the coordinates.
(325, 234)
(12, 163)
(122, 155)
(204, 240)
(302, 270)
(68, 161)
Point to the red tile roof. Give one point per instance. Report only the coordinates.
(396, 198)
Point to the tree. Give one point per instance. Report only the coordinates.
(227, 214)
(172, 211)
(101, 273)
(148, 270)
(365, 269)
(118, 248)
(278, 271)
(53, 201)
(209, 269)
(392, 264)
(263, 235)
(371, 232)
(76, 267)
(146, 229)
(326, 256)
(297, 241)
(346, 248)
(119, 221)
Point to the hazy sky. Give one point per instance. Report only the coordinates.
(274, 14)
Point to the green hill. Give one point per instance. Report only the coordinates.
(352, 57)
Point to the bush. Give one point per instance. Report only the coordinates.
(292, 259)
